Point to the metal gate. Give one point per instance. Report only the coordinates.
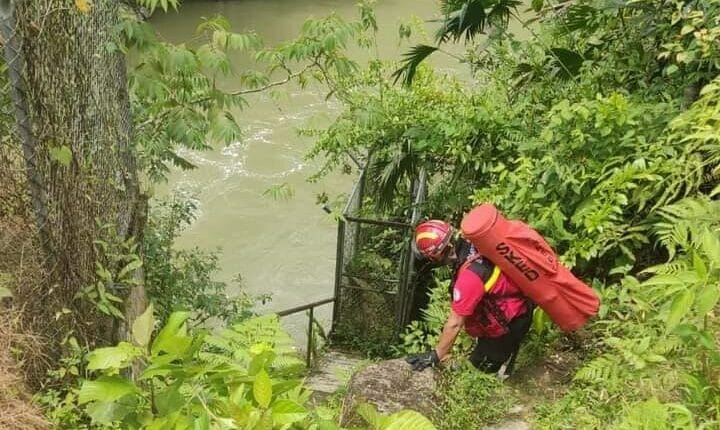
(374, 273)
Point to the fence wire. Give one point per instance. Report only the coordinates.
(374, 275)
(63, 103)
(21, 211)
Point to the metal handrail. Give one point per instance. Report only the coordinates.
(311, 307)
(378, 222)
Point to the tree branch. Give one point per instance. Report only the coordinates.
(287, 79)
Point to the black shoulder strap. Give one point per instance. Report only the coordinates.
(481, 267)
(473, 262)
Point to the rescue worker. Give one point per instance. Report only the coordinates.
(485, 302)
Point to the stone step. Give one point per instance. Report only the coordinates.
(333, 370)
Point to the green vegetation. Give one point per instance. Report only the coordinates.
(184, 279)
(601, 129)
(470, 399)
(191, 379)
(242, 375)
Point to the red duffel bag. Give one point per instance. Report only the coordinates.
(530, 262)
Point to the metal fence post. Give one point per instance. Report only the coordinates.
(339, 257)
(308, 359)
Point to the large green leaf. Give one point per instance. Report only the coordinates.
(173, 338)
(142, 327)
(286, 411)
(708, 298)
(370, 414)
(130, 267)
(107, 412)
(405, 420)
(323, 424)
(265, 422)
(105, 389)
(711, 247)
(699, 265)
(262, 389)
(114, 357)
(202, 422)
(679, 308)
(177, 420)
(681, 279)
(170, 399)
(566, 63)
(715, 191)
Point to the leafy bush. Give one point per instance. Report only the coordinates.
(659, 350)
(195, 380)
(245, 376)
(601, 131)
(397, 421)
(179, 279)
(421, 336)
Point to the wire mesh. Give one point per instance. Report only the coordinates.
(21, 212)
(64, 148)
(374, 275)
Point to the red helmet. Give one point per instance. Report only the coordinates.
(432, 238)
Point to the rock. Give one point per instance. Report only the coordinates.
(390, 385)
(516, 410)
(510, 425)
(332, 371)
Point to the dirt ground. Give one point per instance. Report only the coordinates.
(16, 409)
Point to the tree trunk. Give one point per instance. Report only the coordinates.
(77, 100)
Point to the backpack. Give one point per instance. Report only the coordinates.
(525, 257)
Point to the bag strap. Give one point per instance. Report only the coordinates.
(490, 274)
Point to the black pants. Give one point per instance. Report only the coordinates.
(491, 352)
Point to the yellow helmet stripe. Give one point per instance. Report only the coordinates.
(426, 235)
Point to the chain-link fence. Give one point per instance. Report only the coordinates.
(66, 165)
(23, 214)
(23, 211)
(374, 273)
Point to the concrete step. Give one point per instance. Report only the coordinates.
(333, 371)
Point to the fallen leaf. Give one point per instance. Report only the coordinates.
(83, 5)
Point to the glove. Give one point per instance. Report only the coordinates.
(421, 361)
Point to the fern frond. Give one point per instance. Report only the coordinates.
(684, 222)
(605, 370)
(287, 362)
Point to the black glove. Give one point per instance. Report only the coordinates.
(420, 361)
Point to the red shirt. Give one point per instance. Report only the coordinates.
(468, 293)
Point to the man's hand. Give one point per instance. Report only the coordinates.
(421, 361)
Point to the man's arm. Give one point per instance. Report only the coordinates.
(449, 333)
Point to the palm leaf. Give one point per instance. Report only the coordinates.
(463, 19)
(391, 170)
(449, 6)
(566, 63)
(500, 12)
(470, 20)
(410, 63)
(579, 17)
